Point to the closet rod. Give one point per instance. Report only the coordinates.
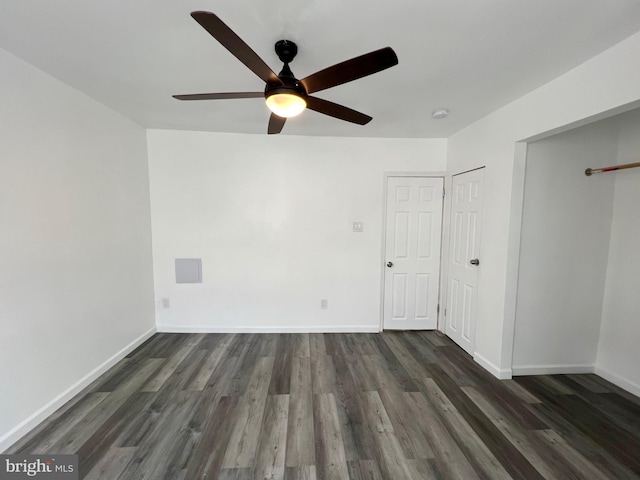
(590, 171)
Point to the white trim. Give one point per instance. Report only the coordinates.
(502, 374)
(616, 379)
(514, 243)
(552, 369)
(324, 329)
(444, 253)
(33, 420)
(383, 247)
(612, 112)
(439, 173)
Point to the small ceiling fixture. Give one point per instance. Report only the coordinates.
(440, 113)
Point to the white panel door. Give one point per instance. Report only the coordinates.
(412, 249)
(464, 261)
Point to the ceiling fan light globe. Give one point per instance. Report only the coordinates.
(286, 104)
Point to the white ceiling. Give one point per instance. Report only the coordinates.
(471, 56)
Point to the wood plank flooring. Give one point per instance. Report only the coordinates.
(396, 405)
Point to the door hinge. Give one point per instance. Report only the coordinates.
(438, 309)
(443, 192)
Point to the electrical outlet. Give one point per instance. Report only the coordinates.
(165, 303)
(324, 304)
(358, 227)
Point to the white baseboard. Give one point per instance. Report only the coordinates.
(24, 427)
(502, 374)
(616, 379)
(211, 329)
(519, 370)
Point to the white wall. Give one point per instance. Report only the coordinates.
(609, 82)
(271, 217)
(618, 352)
(564, 251)
(75, 247)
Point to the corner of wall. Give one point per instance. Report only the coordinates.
(499, 373)
(31, 422)
(618, 380)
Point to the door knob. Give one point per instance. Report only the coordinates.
(475, 261)
(389, 264)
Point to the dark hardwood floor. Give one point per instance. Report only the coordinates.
(337, 406)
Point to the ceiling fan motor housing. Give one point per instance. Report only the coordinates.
(290, 85)
(286, 50)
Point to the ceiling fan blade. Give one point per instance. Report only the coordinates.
(219, 96)
(232, 42)
(338, 111)
(275, 124)
(349, 70)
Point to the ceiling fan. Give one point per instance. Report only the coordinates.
(285, 95)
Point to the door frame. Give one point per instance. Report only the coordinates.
(383, 234)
